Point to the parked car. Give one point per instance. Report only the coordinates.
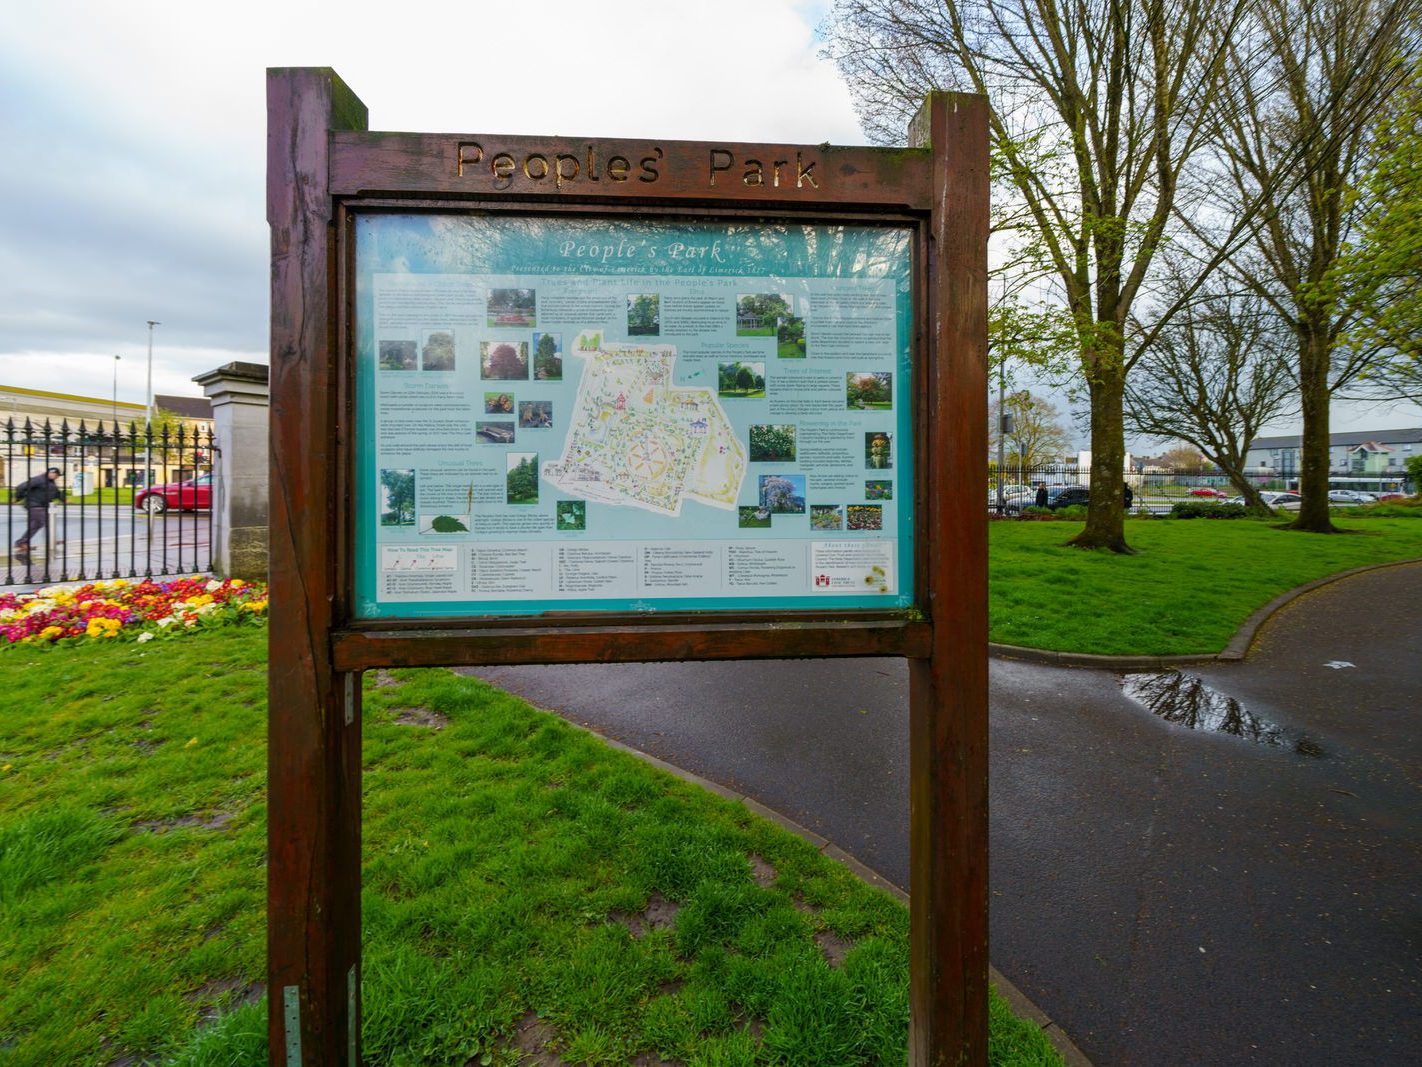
(1287, 501)
(1058, 496)
(1020, 495)
(1206, 490)
(195, 494)
(1350, 496)
(1387, 498)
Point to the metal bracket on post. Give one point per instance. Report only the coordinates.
(291, 1008)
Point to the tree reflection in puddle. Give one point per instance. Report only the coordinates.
(1186, 700)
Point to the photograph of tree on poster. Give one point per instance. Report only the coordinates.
(398, 355)
(523, 478)
(772, 444)
(503, 359)
(742, 380)
(547, 357)
(644, 315)
(512, 307)
(772, 315)
(438, 353)
(869, 390)
(397, 498)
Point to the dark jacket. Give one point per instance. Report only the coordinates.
(39, 491)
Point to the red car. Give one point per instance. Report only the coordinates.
(191, 495)
(1205, 490)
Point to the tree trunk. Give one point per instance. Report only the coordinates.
(1253, 502)
(1313, 454)
(1105, 514)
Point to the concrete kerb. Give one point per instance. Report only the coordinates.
(1233, 652)
(1016, 999)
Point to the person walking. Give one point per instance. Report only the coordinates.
(37, 494)
(1040, 500)
(1127, 494)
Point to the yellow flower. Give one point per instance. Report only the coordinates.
(49, 633)
(6, 767)
(191, 742)
(237, 583)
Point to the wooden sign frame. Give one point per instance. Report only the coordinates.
(324, 167)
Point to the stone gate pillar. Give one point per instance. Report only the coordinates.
(240, 397)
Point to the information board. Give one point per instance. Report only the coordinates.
(564, 414)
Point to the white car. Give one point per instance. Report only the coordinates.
(1350, 496)
(1284, 501)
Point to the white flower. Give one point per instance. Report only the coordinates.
(145, 637)
(213, 586)
(165, 623)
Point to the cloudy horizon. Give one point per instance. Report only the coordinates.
(137, 145)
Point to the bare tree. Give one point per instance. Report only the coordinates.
(1216, 375)
(1292, 139)
(1097, 106)
(1037, 435)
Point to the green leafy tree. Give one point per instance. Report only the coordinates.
(772, 444)
(399, 497)
(1378, 272)
(745, 379)
(546, 363)
(767, 307)
(643, 314)
(523, 482)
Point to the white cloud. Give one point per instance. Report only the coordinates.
(136, 139)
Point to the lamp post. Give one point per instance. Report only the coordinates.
(116, 363)
(148, 438)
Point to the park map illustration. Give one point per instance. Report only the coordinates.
(635, 439)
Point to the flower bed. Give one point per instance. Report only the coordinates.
(138, 611)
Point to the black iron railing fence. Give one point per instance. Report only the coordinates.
(1159, 490)
(138, 501)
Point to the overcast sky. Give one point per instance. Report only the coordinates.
(134, 136)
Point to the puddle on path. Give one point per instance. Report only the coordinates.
(1185, 700)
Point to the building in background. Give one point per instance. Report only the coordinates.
(1360, 453)
(41, 429)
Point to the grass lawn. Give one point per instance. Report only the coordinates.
(1189, 588)
(523, 882)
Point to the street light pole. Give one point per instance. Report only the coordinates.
(148, 449)
(116, 363)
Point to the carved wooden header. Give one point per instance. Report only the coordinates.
(366, 164)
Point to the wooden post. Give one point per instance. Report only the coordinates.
(321, 168)
(948, 743)
(313, 761)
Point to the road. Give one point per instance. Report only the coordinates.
(1167, 895)
(104, 544)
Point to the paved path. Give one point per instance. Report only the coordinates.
(1169, 896)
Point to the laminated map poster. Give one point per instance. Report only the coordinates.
(581, 415)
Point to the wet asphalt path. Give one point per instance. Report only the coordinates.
(1168, 896)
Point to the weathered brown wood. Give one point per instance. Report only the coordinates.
(374, 164)
(313, 760)
(316, 138)
(445, 647)
(948, 795)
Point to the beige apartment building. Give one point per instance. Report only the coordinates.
(91, 457)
